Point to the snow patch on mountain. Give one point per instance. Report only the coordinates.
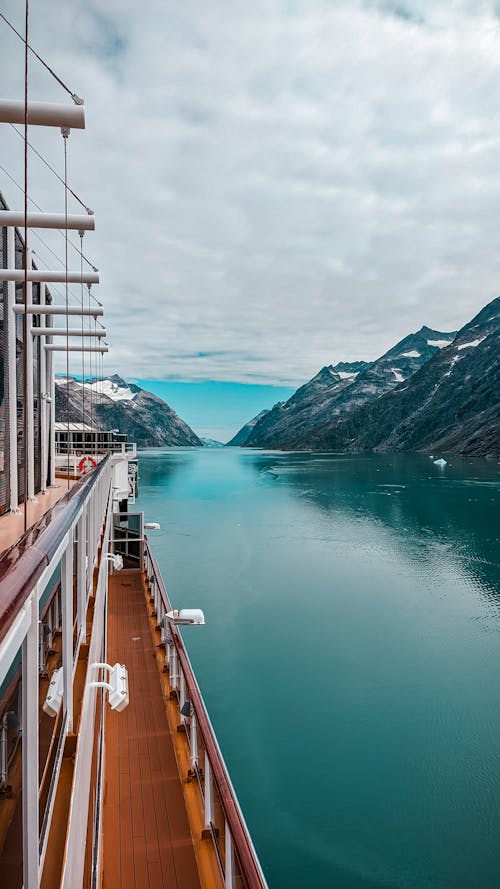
(108, 388)
(472, 344)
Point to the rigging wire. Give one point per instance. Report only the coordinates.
(25, 251)
(71, 244)
(56, 174)
(73, 95)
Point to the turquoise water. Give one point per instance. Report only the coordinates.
(351, 657)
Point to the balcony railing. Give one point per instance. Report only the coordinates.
(47, 580)
(224, 823)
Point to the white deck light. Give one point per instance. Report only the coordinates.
(116, 560)
(54, 693)
(152, 526)
(44, 114)
(118, 696)
(187, 617)
(82, 222)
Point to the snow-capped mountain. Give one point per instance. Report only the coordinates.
(111, 403)
(337, 390)
(451, 404)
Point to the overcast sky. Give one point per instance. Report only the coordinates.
(277, 185)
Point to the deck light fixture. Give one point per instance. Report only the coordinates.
(54, 693)
(187, 709)
(117, 686)
(152, 526)
(116, 560)
(186, 617)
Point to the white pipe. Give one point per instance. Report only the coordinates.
(71, 331)
(29, 455)
(39, 276)
(43, 404)
(82, 222)
(77, 349)
(46, 114)
(57, 310)
(12, 370)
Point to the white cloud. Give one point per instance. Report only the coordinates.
(278, 185)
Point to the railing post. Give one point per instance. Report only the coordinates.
(174, 679)
(229, 875)
(182, 694)
(67, 630)
(4, 772)
(208, 793)
(29, 450)
(30, 748)
(11, 365)
(81, 586)
(193, 741)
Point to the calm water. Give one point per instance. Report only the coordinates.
(351, 658)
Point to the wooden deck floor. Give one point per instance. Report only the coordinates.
(146, 836)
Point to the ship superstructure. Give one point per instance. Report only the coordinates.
(110, 771)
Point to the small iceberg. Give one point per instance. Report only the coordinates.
(440, 462)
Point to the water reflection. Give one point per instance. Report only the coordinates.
(448, 512)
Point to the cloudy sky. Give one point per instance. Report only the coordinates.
(277, 185)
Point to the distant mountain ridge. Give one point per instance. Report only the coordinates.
(242, 436)
(146, 419)
(344, 387)
(452, 404)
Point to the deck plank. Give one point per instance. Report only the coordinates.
(146, 835)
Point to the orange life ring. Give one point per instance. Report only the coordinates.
(86, 464)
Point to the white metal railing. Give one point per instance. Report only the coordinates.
(66, 541)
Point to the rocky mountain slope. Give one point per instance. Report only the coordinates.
(452, 404)
(340, 389)
(146, 419)
(240, 439)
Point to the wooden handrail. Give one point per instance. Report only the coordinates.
(247, 857)
(24, 562)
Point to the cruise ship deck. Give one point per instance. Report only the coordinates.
(131, 787)
(146, 832)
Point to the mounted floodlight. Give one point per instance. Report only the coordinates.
(187, 617)
(18, 308)
(42, 276)
(79, 223)
(54, 693)
(116, 560)
(187, 709)
(152, 526)
(44, 114)
(118, 696)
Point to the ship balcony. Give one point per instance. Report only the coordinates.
(94, 797)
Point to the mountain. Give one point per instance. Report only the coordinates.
(337, 390)
(146, 419)
(452, 404)
(211, 443)
(241, 437)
